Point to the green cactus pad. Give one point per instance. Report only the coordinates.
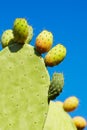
(24, 83)
(56, 85)
(58, 119)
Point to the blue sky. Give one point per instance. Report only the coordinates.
(67, 20)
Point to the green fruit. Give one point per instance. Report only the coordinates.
(55, 55)
(44, 41)
(56, 86)
(7, 38)
(30, 34)
(20, 30)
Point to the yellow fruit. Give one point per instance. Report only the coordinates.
(56, 55)
(80, 122)
(70, 103)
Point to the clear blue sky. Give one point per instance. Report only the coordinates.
(67, 20)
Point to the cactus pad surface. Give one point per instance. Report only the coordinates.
(58, 119)
(24, 84)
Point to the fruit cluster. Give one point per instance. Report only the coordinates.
(22, 33)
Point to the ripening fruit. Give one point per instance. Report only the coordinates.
(55, 55)
(80, 122)
(20, 30)
(7, 38)
(44, 41)
(70, 103)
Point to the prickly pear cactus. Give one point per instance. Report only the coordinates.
(23, 96)
(58, 119)
(25, 87)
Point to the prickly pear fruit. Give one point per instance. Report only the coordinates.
(20, 30)
(56, 85)
(44, 41)
(55, 55)
(7, 38)
(70, 103)
(80, 122)
(30, 34)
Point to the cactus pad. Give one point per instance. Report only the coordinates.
(58, 119)
(56, 85)
(24, 83)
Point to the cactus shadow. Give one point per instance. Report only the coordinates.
(36, 53)
(15, 47)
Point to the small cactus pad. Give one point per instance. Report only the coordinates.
(44, 41)
(58, 119)
(7, 38)
(56, 85)
(80, 122)
(70, 103)
(24, 84)
(55, 55)
(30, 34)
(20, 30)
